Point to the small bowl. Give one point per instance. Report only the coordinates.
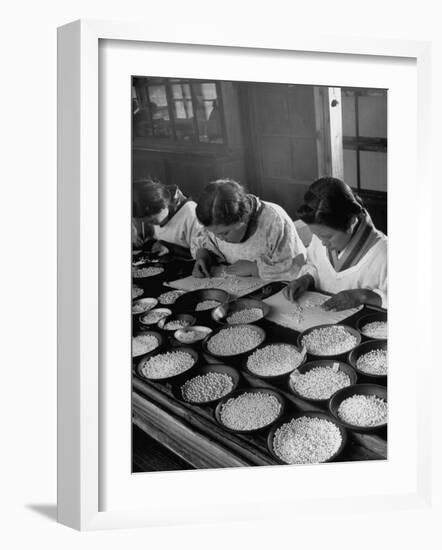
(351, 330)
(308, 414)
(189, 319)
(150, 303)
(186, 349)
(371, 318)
(156, 335)
(222, 369)
(249, 390)
(272, 377)
(188, 302)
(362, 349)
(202, 332)
(306, 367)
(359, 389)
(220, 313)
(144, 323)
(151, 281)
(255, 328)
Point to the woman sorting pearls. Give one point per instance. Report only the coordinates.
(161, 213)
(347, 255)
(245, 236)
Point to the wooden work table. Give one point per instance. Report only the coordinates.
(192, 433)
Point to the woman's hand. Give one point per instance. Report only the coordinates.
(297, 287)
(243, 268)
(203, 263)
(348, 299)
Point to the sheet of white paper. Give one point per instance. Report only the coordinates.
(306, 312)
(236, 286)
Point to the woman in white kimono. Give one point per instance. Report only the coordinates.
(347, 255)
(163, 213)
(244, 235)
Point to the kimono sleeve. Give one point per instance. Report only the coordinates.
(284, 252)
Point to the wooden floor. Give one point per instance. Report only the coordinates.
(150, 456)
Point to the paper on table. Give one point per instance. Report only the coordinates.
(237, 286)
(306, 312)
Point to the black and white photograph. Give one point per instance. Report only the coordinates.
(259, 274)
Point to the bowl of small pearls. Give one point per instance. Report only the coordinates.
(145, 343)
(234, 341)
(329, 340)
(143, 305)
(148, 276)
(309, 437)
(153, 317)
(172, 323)
(207, 385)
(373, 326)
(166, 366)
(241, 311)
(250, 410)
(201, 301)
(362, 408)
(192, 335)
(274, 361)
(317, 381)
(369, 360)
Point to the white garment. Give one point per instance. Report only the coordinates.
(182, 228)
(370, 273)
(273, 246)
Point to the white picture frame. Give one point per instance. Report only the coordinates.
(80, 261)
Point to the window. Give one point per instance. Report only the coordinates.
(364, 126)
(176, 111)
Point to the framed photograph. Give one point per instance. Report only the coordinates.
(223, 276)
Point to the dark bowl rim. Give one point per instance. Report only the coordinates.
(195, 327)
(154, 333)
(312, 362)
(350, 329)
(176, 386)
(140, 298)
(235, 394)
(187, 349)
(265, 308)
(362, 321)
(150, 311)
(238, 355)
(374, 342)
(272, 376)
(194, 293)
(312, 414)
(337, 395)
(174, 315)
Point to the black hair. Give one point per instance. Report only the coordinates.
(223, 202)
(149, 197)
(331, 202)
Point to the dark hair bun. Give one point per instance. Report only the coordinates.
(223, 202)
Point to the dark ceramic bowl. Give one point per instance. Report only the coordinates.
(221, 369)
(362, 349)
(359, 389)
(306, 367)
(228, 356)
(371, 318)
(250, 390)
(308, 414)
(351, 330)
(222, 312)
(190, 351)
(272, 377)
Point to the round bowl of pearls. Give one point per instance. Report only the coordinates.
(145, 343)
(165, 366)
(154, 316)
(234, 341)
(192, 335)
(369, 360)
(201, 301)
(241, 311)
(143, 305)
(207, 385)
(250, 410)
(172, 323)
(329, 340)
(362, 408)
(274, 361)
(373, 326)
(147, 276)
(310, 437)
(317, 381)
